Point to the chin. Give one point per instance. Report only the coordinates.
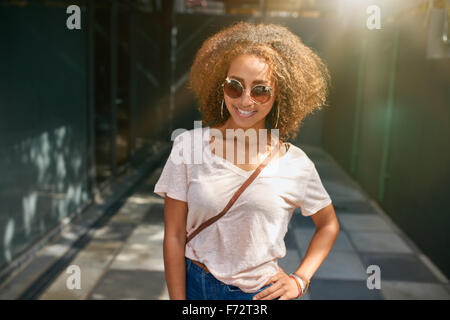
(245, 123)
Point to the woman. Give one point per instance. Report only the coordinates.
(247, 78)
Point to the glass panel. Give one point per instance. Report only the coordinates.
(123, 86)
(103, 90)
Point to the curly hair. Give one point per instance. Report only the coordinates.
(301, 78)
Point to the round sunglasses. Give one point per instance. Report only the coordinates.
(258, 94)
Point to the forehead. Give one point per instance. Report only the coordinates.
(250, 69)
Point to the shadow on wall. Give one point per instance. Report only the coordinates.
(43, 182)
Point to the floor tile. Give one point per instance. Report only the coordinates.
(339, 190)
(92, 262)
(341, 265)
(135, 256)
(395, 290)
(372, 222)
(303, 237)
(329, 289)
(164, 295)
(114, 231)
(129, 285)
(329, 173)
(143, 250)
(289, 240)
(298, 220)
(353, 207)
(399, 267)
(290, 262)
(378, 242)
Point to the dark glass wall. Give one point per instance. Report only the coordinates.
(103, 95)
(77, 109)
(388, 124)
(43, 124)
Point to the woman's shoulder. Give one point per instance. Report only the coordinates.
(298, 156)
(296, 151)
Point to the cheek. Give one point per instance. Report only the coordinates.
(265, 109)
(228, 103)
(269, 106)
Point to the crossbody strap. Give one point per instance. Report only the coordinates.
(235, 196)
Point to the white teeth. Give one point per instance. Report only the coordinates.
(245, 112)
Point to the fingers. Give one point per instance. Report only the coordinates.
(282, 287)
(276, 276)
(273, 292)
(273, 279)
(269, 293)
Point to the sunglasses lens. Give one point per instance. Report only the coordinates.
(233, 89)
(260, 94)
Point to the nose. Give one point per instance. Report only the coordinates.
(246, 99)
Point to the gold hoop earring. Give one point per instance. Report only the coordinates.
(278, 115)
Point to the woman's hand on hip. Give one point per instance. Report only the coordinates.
(282, 286)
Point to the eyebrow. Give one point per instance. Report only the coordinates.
(255, 81)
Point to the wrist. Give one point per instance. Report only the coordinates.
(305, 279)
(297, 284)
(301, 282)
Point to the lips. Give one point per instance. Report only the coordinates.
(244, 114)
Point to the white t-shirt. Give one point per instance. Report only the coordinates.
(242, 248)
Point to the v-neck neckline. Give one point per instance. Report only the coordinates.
(236, 168)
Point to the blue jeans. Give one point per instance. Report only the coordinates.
(203, 286)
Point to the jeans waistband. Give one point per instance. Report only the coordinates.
(201, 265)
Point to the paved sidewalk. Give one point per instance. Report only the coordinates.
(124, 259)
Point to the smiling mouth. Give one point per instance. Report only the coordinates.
(244, 114)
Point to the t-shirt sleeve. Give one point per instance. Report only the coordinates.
(316, 197)
(173, 179)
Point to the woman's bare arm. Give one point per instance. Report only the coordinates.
(327, 229)
(175, 215)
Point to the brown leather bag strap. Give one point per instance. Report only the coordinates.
(235, 196)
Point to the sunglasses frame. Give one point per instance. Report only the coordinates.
(228, 80)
